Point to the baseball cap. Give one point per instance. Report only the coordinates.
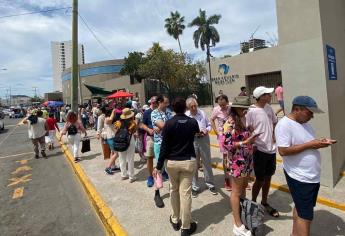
(307, 102)
(259, 91)
(152, 99)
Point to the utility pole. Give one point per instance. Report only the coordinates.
(35, 90)
(75, 71)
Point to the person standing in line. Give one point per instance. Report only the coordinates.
(280, 97)
(148, 127)
(37, 128)
(220, 114)
(52, 125)
(243, 91)
(84, 117)
(73, 128)
(127, 157)
(158, 117)
(298, 147)
(261, 119)
(177, 148)
(201, 146)
(95, 113)
(109, 134)
(239, 144)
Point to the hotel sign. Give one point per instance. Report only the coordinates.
(224, 77)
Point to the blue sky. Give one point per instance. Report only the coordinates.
(122, 26)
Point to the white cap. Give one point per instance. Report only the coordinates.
(259, 91)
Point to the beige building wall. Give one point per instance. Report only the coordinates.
(257, 62)
(302, 40)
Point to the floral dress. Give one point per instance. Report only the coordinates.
(240, 159)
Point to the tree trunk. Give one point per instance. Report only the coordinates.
(179, 44)
(209, 69)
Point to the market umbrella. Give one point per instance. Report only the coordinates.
(120, 94)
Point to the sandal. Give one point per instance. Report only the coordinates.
(77, 159)
(270, 210)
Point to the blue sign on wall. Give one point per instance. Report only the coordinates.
(332, 63)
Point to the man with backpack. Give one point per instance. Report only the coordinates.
(124, 143)
(38, 128)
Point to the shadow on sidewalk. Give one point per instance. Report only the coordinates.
(90, 157)
(215, 212)
(325, 221)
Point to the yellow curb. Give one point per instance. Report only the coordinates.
(107, 217)
(21, 122)
(284, 188)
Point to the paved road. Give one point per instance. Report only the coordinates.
(40, 197)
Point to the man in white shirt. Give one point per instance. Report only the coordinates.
(201, 146)
(261, 120)
(38, 128)
(301, 160)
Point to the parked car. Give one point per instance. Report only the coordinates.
(16, 113)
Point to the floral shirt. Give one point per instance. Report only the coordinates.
(159, 116)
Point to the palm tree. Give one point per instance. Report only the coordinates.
(174, 26)
(206, 36)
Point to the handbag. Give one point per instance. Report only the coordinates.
(85, 147)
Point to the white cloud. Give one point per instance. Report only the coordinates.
(122, 26)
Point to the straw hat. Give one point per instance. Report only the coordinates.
(126, 114)
(241, 102)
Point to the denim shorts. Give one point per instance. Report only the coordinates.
(110, 142)
(304, 196)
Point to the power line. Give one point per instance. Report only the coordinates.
(95, 36)
(36, 12)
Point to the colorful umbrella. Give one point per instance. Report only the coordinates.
(120, 94)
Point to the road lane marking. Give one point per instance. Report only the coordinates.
(19, 180)
(19, 154)
(21, 169)
(18, 193)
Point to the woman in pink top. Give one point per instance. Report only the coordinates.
(73, 128)
(220, 115)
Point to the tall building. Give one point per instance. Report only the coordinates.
(252, 45)
(62, 59)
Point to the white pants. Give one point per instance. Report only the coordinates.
(74, 141)
(127, 157)
(50, 138)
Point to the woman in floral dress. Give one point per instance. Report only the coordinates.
(238, 142)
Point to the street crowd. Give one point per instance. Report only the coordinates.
(173, 140)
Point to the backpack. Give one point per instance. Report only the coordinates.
(122, 139)
(252, 216)
(72, 130)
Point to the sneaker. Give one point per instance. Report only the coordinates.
(124, 177)
(227, 185)
(108, 171)
(241, 231)
(194, 193)
(190, 231)
(176, 226)
(115, 168)
(165, 176)
(159, 201)
(43, 153)
(213, 191)
(131, 180)
(150, 181)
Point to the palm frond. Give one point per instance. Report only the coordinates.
(214, 19)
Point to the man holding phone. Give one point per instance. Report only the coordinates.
(301, 160)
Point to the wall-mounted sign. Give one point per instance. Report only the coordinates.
(332, 63)
(223, 69)
(225, 79)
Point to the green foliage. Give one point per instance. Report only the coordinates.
(172, 71)
(174, 26)
(206, 34)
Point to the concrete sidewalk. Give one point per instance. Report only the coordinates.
(133, 205)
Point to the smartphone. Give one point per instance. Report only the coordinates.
(330, 141)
